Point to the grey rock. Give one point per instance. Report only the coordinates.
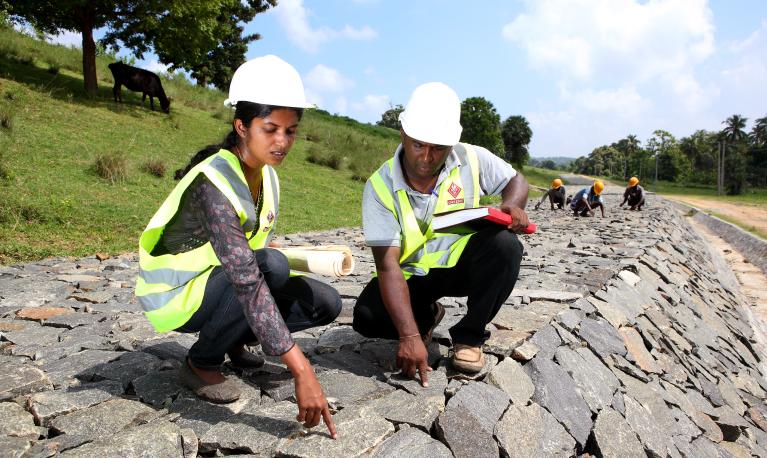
(98, 297)
(74, 320)
(657, 441)
(199, 415)
(402, 407)
(37, 336)
(102, 420)
(14, 447)
(570, 318)
(80, 365)
(614, 436)
(525, 352)
(18, 378)
(128, 367)
(369, 431)
(612, 313)
(636, 348)
(594, 381)
(160, 438)
(509, 376)
(434, 393)
(504, 341)
(729, 422)
(531, 431)
(413, 443)
(174, 347)
(348, 361)
(344, 389)
(49, 404)
(486, 403)
(547, 340)
(337, 338)
(464, 434)
(547, 295)
(556, 391)
(157, 388)
(601, 337)
(17, 422)
(254, 430)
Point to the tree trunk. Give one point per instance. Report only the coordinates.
(89, 51)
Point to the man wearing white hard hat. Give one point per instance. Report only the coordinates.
(204, 265)
(431, 172)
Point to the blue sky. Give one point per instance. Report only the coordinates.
(583, 72)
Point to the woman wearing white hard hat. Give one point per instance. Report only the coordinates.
(204, 265)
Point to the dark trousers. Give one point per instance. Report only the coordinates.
(486, 273)
(303, 303)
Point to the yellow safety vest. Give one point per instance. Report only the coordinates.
(421, 251)
(170, 287)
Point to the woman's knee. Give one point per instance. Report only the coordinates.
(507, 246)
(274, 265)
(328, 303)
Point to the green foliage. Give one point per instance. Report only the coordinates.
(201, 36)
(516, 135)
(481, 124)
(390, 117)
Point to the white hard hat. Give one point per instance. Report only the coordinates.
(433, 115)
(268, 80)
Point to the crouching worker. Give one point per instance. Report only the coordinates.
(634, 195)
(204, 265)
(431, 173)
(556, 195)
(587, 199)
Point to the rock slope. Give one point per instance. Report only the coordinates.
(620, 339)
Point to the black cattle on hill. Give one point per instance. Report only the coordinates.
(138, 80)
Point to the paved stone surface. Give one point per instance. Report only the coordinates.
(636, 328)
(526, 431)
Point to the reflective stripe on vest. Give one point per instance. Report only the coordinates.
(170, 287)
(420, 252)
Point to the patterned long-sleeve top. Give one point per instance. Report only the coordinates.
(206, 215)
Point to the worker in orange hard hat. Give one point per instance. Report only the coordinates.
(587, 199)
(556, 195)
(634, 195)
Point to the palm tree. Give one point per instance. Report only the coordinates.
(632, 145)
(734, 132)
(759, 132)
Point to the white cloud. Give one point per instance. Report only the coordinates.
(372, 106)
(326, 79)
(623, 102)
(622, 40)
(293, 17)
(66, 38)
(155, 66)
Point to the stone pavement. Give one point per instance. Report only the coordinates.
(618, 340)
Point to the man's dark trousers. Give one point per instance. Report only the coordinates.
(486, 273)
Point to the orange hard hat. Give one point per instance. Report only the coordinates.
(556, 184)
(598, 187)
(633, 181)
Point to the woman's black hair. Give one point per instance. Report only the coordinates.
(245, 111)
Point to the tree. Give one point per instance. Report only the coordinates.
(670, 163)
(701, 151)
(218, 65)
(481, 124)
(181, 33)
(549, 164)
(516, 135)
(759, 132)
(733, 132)
(733, 136)
(390, 117)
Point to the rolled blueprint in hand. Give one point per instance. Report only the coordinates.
(328, 260)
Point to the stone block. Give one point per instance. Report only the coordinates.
(526, 431)
(49, 404)
(614, 436)
(509, 376)
(412, 443)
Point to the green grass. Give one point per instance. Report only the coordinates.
(750, 196)
(746, 227)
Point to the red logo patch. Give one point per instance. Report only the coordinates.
(454, 190)
(454, 201)
(270, 216)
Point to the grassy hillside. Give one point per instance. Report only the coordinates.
(52, 200)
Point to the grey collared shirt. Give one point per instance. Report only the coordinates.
(380, 225)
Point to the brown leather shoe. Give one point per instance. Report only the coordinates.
(439, 312)
(221, 393)
(468, 359)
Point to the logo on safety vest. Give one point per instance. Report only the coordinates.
(270, 216)
(454, 189)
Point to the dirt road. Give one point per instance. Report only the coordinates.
(749, 215)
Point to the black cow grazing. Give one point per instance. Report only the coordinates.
(138, 80)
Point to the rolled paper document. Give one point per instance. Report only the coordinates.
(328, 260)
